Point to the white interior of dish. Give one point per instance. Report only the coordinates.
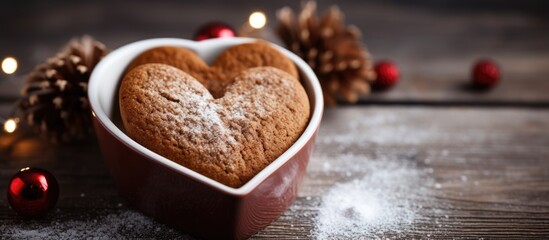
(103, 95)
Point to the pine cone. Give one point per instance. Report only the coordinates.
(335, 52)
(55, 101)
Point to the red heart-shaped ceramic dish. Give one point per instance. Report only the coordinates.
(177, 195)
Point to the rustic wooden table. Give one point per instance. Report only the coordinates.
(439, 160)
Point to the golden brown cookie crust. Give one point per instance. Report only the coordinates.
(229, 139)
(230, 63)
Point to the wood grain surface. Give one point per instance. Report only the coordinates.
(483, 157)
(506, 193)
(507, 186)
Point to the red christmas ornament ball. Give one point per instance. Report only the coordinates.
(33, 192)
(485, 73)
(387, 75)
(214, 30)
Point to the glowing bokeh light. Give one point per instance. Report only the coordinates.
(9, 65)
(10, 125)
(258, 20)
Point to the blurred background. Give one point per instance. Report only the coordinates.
(434, 43)
(406, 31)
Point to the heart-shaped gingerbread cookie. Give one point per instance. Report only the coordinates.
(229, 139)
(222, 72)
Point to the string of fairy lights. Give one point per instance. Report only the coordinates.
(9, 67)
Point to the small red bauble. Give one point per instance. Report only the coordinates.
(214, 30)
(33, 192)
(485, 74)
(387, 75)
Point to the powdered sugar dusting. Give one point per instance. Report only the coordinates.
(202, 117)
(246, 102)
(382, 191)
(207, 117)
(259, 105)
(377, 203)
(112, 225)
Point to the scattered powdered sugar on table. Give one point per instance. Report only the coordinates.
(122, 224)
(379, 202)
(382, 192)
